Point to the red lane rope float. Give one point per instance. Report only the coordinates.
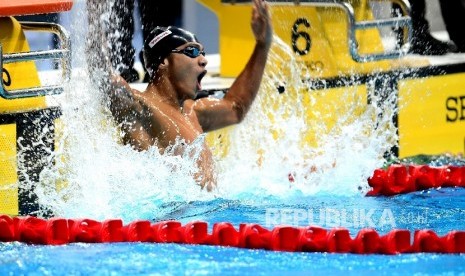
(58, 231)
(400, 179)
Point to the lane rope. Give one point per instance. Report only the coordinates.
(59, 231)
(401, 179)
(396, 179)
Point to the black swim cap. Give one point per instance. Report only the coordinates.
(160, 42)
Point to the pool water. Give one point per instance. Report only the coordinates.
(102, 179)
(143, 258)
(440, 210)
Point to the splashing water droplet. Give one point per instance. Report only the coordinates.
(326, 148)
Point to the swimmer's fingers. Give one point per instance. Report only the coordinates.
(261, 23)
(261, 8)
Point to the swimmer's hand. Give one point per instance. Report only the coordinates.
(261, 23)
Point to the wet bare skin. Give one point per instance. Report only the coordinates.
(166, 111)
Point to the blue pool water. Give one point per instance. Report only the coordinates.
(105, 180)
(441, 210)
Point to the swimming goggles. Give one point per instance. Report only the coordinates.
(190, 51)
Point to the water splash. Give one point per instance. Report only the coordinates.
(94, 175)
(285, 135)
(290, 145)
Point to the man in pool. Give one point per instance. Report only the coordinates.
(167, 110)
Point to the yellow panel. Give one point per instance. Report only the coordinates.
(333, 106)
(335, 26)
(321, 31)
(306, 23)
(20, 74)
(324, 111)
(219, 141)
(60, 142)
(8, 174)
(432, 115)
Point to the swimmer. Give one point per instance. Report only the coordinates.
(167, 109)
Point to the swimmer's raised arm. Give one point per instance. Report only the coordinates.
(97, 48)
(116, 91)
(214, 114)
(245, 87)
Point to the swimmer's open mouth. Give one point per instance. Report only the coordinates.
(199, 79)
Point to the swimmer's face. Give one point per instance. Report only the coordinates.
(187, 68)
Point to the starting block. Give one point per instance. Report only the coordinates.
(25, 119)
